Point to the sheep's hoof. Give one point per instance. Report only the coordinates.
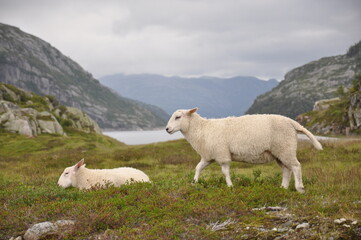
(301, 190)
(194, 182)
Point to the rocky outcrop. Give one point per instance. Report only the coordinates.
(34, 65)
(78, 119)
(353, 114)
(337, 116)
(29, 114)
(311, 82)
(27, 121)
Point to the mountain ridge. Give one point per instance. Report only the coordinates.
(215, 97)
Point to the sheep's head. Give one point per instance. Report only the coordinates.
(179, 121)
(68, 177)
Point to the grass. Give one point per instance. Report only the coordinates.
(171, 207)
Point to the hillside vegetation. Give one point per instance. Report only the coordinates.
(34, 65)
(171, 207)
(305, 85)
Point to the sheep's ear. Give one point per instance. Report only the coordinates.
(191, 111)
(79, 164)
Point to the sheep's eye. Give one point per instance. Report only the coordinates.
(66, 173)
(178, 117)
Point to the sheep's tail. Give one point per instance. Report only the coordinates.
(300, 128)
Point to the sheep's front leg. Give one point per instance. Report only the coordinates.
(200, 166)
(225, 171)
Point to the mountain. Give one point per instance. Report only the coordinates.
(311, 82)
(215, 97)
(34, 65)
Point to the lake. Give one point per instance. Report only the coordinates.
(143, 137)
(153, 136)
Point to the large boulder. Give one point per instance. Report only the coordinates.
(44, 229)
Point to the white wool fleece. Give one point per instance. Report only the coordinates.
(249, 138)
(83, 178)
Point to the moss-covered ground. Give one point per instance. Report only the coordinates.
(171, 207)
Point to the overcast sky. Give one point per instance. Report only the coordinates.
(262, 38)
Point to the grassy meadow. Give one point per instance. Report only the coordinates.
(171, 207)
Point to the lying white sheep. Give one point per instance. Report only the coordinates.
(83, 178)
(249, 138)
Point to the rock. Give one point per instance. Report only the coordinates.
(303, 225)
(339, 221)
(354, 222)
(82, 120)
(270, 209)
(282, 229)
(49, 124)
(10, 94)
(18, 238)
(324, 104)
(40, 230)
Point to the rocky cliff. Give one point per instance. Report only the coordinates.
(311, 82)
(34, 65)
(337, 116)
(28, 114)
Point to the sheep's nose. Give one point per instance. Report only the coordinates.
(167, 129)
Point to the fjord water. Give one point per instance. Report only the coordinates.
(153, 136)
(143, 137)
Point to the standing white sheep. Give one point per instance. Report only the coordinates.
(83, 178)
(249, 138)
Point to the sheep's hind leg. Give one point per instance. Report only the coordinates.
(286, 177)
(200, 166)
(225, 171)
(296, 169)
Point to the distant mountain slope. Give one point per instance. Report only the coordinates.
(34, 65)
(215, 97)
(311, 82)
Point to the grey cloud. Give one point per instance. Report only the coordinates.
(262, 38)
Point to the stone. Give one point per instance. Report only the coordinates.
(324, 104)
(303, 225)
(40, 230)
(339, 221)
(282, 229)
(270, 209)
